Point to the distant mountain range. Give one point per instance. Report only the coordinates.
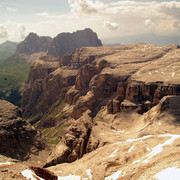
(8, 46)
(62, 44)
(7, 49)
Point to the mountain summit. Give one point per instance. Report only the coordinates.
(33, 44)
(62, 44)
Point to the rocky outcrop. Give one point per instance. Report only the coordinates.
(119, 155)
(74, 144)
(140, 95)
(140, 147)
(33, 44)
(123, 78)
(17, 138)
(68, 42)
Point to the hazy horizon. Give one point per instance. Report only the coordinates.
(114, 21)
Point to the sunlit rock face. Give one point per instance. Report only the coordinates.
(127, 76)
(115, 108)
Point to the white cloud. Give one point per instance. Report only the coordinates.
(13, 31)
(12, 9)
(111, 25)
(149, 24)
(42, 14)
(3, 32)
(133, 17)
(22, 31)
(86, 6)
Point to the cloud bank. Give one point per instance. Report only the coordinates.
(132, 16)
(3, 32)
(126, 18)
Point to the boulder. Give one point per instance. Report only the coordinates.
(17, 138)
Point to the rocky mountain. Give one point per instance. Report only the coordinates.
(140, 147)
(18, 139)
(112, 112)
(64, 43)
(120, 78)
(33, 44)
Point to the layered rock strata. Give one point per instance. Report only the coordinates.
(123, 78)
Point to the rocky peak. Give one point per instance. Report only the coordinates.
(33, 44)
(66, 42)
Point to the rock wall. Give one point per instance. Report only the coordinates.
(121, 78)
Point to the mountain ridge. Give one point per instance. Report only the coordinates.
(62, 44)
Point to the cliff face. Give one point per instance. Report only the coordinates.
(67, 42)
(105, 102)
(121, 78)
(33, 44)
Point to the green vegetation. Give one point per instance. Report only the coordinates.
(5, 54)
(57, 113)
(13, 73)
(55, 134)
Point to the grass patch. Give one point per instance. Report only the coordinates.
(13, 73)
(33, 119)
(55, 134)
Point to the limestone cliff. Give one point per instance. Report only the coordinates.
(121, 78)
(115, 111)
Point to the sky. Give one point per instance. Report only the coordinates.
(115, 21)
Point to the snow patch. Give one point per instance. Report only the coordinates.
(6, 163)
(114, 176)
(148, 149)
(169, 173)
(137, 139)
(159, 123)
(124, 174)
(70, 177)
(30, 175)
(58, 171)
(113, 154)
(132, 147)
(173, 74)
(137, 161)
(157, 149)
(120, 131)
(102, 134)
(88, 171)
(150, 73)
